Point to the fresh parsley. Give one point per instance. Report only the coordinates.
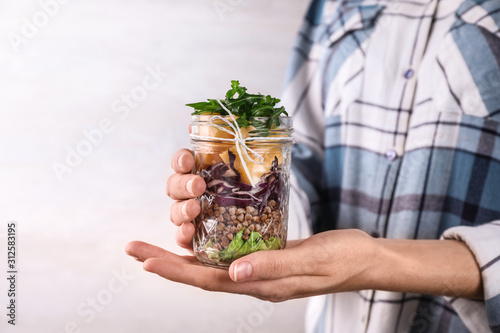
(245, 107)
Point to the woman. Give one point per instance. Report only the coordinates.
(396, 108)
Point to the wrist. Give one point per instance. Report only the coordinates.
(437, 267)
(378, 265)
(388, 266)
(365, 259)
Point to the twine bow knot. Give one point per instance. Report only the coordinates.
(240, 142)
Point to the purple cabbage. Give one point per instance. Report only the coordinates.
(224, 184)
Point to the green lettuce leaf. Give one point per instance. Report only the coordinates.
(236, 244)
(239, 248)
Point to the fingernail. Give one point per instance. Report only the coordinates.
(184, 209)
(181, 229)
(242, 271)
(179, 164)
(189, 186)
(134, 256)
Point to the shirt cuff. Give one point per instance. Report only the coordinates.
(484, 243)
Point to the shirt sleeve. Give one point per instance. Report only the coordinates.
(484, 242)
(477, 27)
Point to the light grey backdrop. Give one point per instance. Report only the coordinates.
(92, 98)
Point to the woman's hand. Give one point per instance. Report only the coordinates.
(184, 187)
(332, 261)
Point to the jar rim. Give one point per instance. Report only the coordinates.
(198, 116)
(285, 122)
(200, 125)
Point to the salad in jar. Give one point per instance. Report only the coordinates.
(242, 148)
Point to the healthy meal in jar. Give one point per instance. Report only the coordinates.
(242, 148)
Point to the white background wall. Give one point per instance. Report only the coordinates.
(62, 80)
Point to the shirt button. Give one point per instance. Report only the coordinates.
(391, 155)
(409, 73)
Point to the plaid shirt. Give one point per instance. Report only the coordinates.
(396, 107)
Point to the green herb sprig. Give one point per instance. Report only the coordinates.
(245, 107)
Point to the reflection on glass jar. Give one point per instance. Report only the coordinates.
(245, 206)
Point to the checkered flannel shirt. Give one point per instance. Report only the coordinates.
(396, 107)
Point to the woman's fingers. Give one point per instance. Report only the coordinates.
(184, 236)
(142, 251)
(191, 272)
(185, 186)
(270, 265)
(183, 161)
(184, 211)
(182, 185)
(188, 270)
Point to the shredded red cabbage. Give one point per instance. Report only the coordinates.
(224, 184)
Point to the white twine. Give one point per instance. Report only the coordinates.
(239, 141)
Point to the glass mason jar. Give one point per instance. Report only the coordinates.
(245, 206)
